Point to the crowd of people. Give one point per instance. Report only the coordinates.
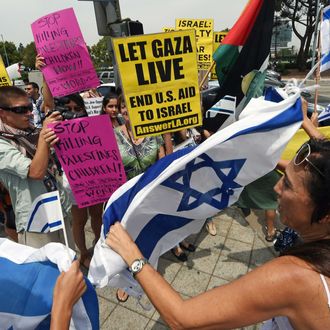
(29, 168)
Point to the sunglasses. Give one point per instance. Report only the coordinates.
(302, 156)
(20, 110)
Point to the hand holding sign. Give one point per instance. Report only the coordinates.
(68, 67)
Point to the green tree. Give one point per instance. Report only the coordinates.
(29, 55)
(12, 52)
(302, 15)
(100, 54)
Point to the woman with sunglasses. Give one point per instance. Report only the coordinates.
(291, 291)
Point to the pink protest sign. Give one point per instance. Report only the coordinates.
(58, 39)
(89, 155)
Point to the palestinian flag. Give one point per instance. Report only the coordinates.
(241, 59)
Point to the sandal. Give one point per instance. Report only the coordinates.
(271, 237)
(181, 256)
(189, 247)
(124, 295)
(211, 228)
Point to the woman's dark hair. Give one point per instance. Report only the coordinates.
(76, 98)
(121, 100)
(106, 100)
(317, 253)
(318, 185)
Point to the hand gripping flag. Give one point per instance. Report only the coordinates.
(241, 59)
(27, 280)
(172, 199)
(325, 40)
(46, 213)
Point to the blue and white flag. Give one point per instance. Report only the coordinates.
(172, 199)
(325, 40)
(28, 277)
(325, 114)
(46, 213)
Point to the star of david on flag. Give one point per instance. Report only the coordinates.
(172, 199)
(208, 197)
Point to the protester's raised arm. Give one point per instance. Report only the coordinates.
(48, 99)
(69, 287)
(257, 296)
(308, 125)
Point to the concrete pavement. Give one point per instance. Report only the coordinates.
(238, 247)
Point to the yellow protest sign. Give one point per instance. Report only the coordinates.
(217, 39)
(168, 29)
(159, 80)
(4, 78)
(204, 36)
(298, 139)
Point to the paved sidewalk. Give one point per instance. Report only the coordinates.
(238, 247)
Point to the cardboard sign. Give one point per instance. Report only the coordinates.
(204, 35)
(4, 79)
(159, 77)
(168, 29)
(90, 158)
(218, 37)
(58, 39)
(93, 105)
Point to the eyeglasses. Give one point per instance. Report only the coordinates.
(23, 109)
(302, 156)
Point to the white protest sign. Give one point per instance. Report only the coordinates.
(93, 105)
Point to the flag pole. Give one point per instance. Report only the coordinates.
(206, 75)
(317, 74)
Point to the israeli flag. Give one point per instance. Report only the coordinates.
(46, 213)
(172, 199)
(325, 114)
(28, 277)
(325, 40)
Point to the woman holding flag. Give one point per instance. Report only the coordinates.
(291, 291)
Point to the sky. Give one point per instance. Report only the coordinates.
(17, 15)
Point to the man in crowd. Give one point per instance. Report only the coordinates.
(26, 166)
(32, 91)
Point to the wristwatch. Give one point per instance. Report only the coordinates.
(137, 265)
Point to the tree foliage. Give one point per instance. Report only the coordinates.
(100, 54)
(12, 52)
(29, 55)
(302, 15)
